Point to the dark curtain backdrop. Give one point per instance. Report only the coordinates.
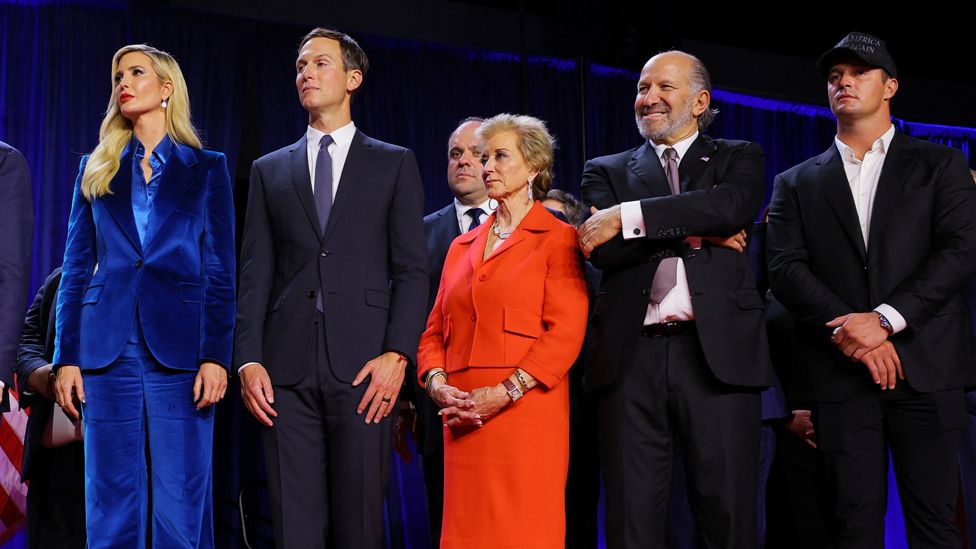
(55, 61)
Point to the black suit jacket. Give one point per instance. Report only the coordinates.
(921, 250)
(17, 228)
(370, 266)
(37, 350)
(441, 228)
(722, 188)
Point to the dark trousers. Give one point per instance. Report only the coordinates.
(923, 432)
(432, 464)
(669, 393)
(797, 498)
(327, 468)
(56, 498)
(583, 477)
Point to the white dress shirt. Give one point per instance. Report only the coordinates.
(863, 176)
(676, 305)
(464, 220)
(339, 150)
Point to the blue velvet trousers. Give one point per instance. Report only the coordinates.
(147, 455)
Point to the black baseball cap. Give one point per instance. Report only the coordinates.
(869, 49)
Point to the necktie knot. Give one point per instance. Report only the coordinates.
(670, 154)
(326, 141)
(475, 215)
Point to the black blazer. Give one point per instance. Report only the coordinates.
(921, 251)
(723, 187)
(370, 266)
(17, 228)
(440, 228)
(37, 350)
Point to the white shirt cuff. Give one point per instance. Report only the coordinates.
(897, 321)
(245, 365)
(632, 220)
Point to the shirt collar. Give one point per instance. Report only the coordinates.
(880, 144)
(162, 151)
(461, 208)
(681, 147)
(341, 136)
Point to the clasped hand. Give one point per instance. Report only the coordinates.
(462, 408)
(861, 338)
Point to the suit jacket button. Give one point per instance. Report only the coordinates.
(311, 294)
(474, 318)
(325, 253)
(645, 291)
(482, 277)
(138, 264)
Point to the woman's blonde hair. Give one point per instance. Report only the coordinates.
(534, 142)
(116, 130)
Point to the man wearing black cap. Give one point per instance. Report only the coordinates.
(869, 246)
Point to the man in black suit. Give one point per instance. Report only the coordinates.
(332, 290)
(17, 228)
(870, 244)
(469, 209)
(56, 497)
(680, 347)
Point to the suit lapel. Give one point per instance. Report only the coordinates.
(446, 227)
(837, 190)
(119, 203)
(695, 161)
(178, 177)
(647, 167)
(900, 156)
(353, 171)
(298, 169)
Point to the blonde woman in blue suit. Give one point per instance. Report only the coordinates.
(146, 311)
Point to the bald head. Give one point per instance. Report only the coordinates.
(464, 163)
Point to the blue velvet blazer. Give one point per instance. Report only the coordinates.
(179, 285)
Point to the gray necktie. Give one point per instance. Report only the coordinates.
(475, 215)
(323, 182)
(667, 271)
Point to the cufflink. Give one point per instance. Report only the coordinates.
(636, 230)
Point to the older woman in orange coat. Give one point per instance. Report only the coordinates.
(508, 323)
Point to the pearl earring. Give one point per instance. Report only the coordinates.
(164, 103)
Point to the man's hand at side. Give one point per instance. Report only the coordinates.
(257, 393)
(386, 377)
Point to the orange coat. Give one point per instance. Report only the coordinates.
(524, 306)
